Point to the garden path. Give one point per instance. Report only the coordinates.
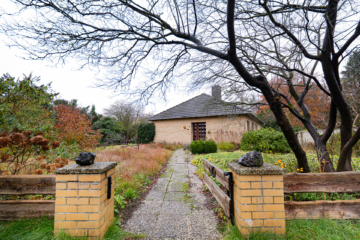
(175, 207)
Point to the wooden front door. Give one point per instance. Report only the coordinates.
(199, 131)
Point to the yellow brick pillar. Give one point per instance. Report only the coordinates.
(258, 198)
(82, 205)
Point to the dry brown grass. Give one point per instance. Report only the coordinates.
(147, 160)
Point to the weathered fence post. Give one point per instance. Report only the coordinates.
(258, 198)
(84, 204)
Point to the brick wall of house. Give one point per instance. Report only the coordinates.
(229, 129)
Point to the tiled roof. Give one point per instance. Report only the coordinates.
(201, 106)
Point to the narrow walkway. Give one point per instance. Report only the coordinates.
(175, 207)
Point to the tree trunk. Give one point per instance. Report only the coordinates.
(324, 159)
(346, 152)
(325, 162)
(281, 119)
(344, 163)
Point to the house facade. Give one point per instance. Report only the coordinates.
(204, 117)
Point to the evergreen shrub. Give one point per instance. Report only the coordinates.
(210, 147)
(197, 147)
(146, 132)
(265, 140)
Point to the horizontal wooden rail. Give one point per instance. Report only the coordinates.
(219, 194)
(322, 182)
(217, 173)
(340, 209)
(27, 184)
(14, 210)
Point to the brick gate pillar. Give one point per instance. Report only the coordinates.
(83, 206)
(258, 198)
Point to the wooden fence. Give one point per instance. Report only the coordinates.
(225, 178)
(343, 182)
(27, 185)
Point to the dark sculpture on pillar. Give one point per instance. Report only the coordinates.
(86, 158)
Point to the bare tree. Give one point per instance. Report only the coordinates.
(128, 115)
(235, 42)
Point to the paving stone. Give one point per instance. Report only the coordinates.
(180, 179)
(174, 196)
(155, 195)
(170, 212)
(160, 187)
(175, 207)
(166, 175)
(149, 207)
(170, 169)
(181, 170)
(162, 181)
(141, 223)
(203, 225)
(172, 226)
(180, 175)
(182, 160)
(178, 186)
(195, 180)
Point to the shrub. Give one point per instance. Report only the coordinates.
(18, 147)
(334, 145)
(75, 127)
(210, 147)
(226, 146)
(146, 132)
(197, 147)
(110, 129)
(265, 140)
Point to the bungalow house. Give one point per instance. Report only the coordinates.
(204, 117)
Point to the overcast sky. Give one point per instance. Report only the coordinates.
(72, 83)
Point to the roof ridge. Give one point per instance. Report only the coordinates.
(179, 104)
(230, 103)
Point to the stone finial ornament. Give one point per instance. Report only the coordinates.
(85, 158)
(251, 159)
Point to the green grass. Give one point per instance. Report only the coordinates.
(288, 160)
(305, 229)
(322, 196)
(131, 190)
(43, 229)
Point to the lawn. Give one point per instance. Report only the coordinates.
(321, 229)
(42, 229)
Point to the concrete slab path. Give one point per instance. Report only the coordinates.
(175, 207)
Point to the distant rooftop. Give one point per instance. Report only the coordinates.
(203, 105)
